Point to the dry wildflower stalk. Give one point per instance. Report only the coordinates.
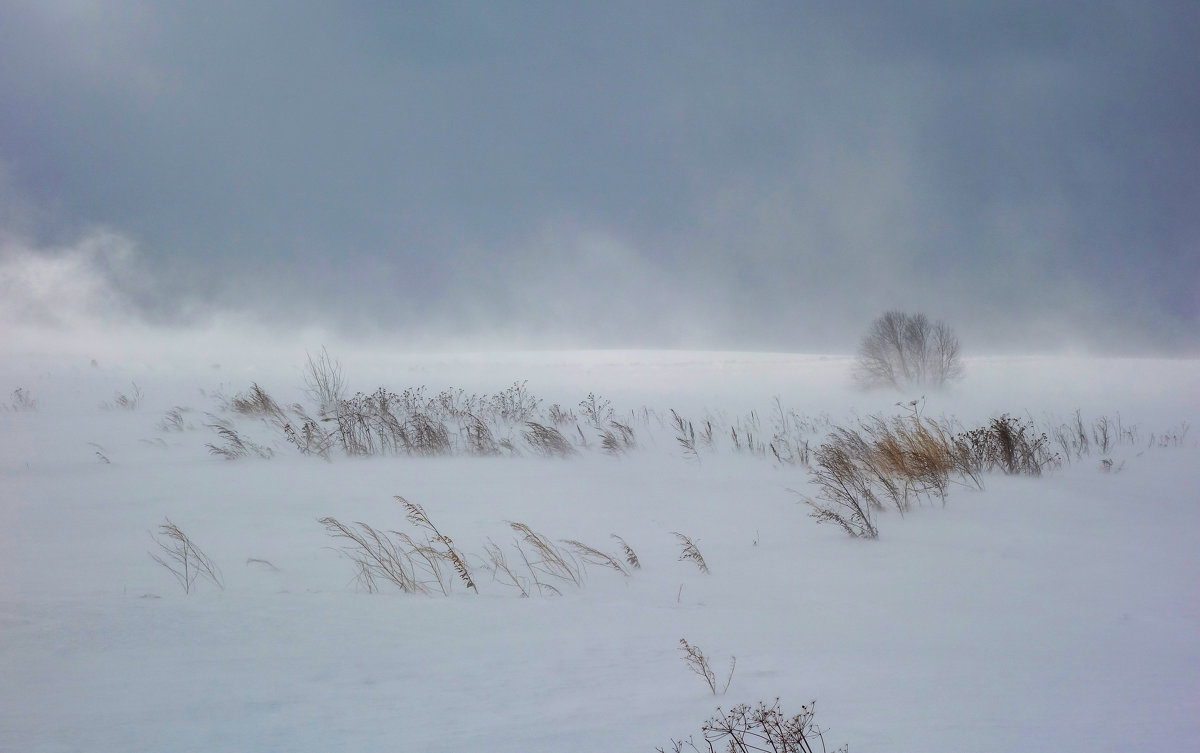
(763, 728)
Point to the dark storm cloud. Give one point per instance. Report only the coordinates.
(724, 174)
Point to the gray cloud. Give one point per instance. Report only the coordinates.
(703, 174)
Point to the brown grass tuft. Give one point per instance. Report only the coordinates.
(689, 552)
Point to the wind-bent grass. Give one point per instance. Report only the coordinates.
(376, 557)
(183, 559)
(418, 517)
(689, 552)
(549, 559)
(547, 441)
(911, 458)
(631, 557)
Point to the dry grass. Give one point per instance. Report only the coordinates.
(845, 495)
(376, 557)
(548, 558)
(908, 459)
(699, 664)
(183, 559)
(418, 517)
(257, 403)
(234, 445)
(631, 557)
(689, 552)
(592, 556)
(500, 567)
(547, 441)
(125, 401)
(172, 420)
(479, 438)
(685, 436)
(418, 565)
(395, 556)
(311, 439)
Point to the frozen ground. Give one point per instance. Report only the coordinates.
(1058, 613)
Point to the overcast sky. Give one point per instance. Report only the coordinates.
(746, 175)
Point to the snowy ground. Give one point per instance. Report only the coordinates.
(1057, 613)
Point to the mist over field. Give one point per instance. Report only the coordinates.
(696, 175)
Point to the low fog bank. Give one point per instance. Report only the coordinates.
(96, 299)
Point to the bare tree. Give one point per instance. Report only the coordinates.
(906, 350)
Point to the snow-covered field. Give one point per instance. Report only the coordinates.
(1059, 613)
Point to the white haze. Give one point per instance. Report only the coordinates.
(1052, 613)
